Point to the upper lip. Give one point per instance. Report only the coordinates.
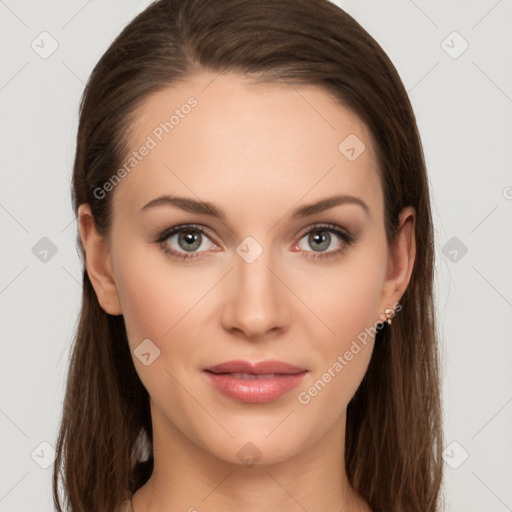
(255, 368)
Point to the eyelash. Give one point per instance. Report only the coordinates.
(347, 238)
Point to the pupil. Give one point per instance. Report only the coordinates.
(321, 240)
(190, 238)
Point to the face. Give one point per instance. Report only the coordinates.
(264, 278)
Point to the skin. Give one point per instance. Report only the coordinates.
(257, 152)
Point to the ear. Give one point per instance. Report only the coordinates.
(402, 255)
(98, 262)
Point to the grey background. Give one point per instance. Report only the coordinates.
(464, 108)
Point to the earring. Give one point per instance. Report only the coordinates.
(390, 314)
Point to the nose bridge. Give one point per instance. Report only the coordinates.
(255, 302)
(252, 269)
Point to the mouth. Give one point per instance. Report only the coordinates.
(270, 367)
(251, 376)
(254, 382)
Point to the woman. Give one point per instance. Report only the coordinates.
(257, 328)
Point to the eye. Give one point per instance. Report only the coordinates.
(185, 242)
(321, 238)
(190, 242)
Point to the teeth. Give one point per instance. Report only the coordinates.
(248, 376)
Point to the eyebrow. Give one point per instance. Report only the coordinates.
(205, 208)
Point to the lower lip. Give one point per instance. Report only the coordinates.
(255, 391)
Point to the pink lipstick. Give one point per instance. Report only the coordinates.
(256, 382)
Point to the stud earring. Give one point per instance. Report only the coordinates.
(390, 314)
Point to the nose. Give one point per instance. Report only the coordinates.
(256, 301)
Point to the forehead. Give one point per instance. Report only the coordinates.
(223, 136)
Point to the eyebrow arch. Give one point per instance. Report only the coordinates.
(205, 208)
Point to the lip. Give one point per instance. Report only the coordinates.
(255, 382)
(256, 368)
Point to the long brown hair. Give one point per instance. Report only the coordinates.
(394, 434)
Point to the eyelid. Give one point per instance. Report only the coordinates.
(164, 235)
(327, 226)
(347, 237)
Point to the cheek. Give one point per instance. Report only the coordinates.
(154, 294)
(347, 297)
(144, 299)
(157, 301)
(357, 300)
(349, 306)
